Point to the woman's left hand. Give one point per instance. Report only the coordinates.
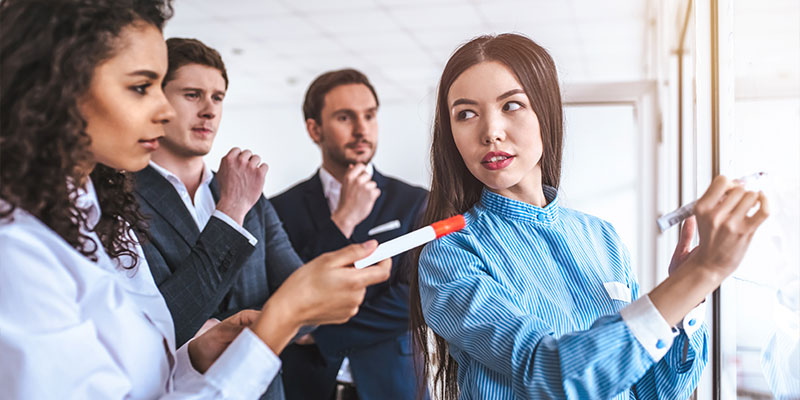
(684, 248)
(206, 348)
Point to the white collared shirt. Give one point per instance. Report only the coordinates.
(74, 328)
(332, 189)
(202, 207)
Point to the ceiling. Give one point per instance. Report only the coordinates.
(273, 49)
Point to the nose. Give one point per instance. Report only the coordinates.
(208, 110)
(494, 130)
(164, 112)
(361, 126)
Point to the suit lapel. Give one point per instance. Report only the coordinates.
(315, 200)
(361, 232)
(165, 201)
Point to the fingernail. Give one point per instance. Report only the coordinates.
(369, 243)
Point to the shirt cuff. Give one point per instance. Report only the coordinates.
(245, 369)
(694, 319)
(648, 327)
(228, 220)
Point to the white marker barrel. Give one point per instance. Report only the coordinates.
(398, 245)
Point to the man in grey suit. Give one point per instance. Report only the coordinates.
(216, 245)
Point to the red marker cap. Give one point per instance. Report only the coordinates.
(447, 226)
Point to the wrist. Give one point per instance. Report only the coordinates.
(345, 224)
(236, 212)
(277, 324)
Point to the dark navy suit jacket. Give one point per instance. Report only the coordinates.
(377, 339)
(214, 272)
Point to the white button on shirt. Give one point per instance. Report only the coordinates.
(73, 328)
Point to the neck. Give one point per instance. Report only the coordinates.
(188, 169)
(529, 190)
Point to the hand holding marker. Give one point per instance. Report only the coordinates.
(412, 239)
(675, 217)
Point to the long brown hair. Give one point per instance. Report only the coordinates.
(454, 190)
(48, 53)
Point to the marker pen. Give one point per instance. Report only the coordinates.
(668, 220)
(412, 239)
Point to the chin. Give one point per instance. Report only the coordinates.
(134, 165)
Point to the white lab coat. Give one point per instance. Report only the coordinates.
(73, 328)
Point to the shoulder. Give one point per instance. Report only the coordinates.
(34, 255)
(290, 195)
(394, 185)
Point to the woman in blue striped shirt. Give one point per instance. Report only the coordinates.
(533, 300)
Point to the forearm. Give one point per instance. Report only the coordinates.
(683, 291)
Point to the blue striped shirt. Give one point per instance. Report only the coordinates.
(535, 303)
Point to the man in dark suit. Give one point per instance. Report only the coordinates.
(348, 201)
(216, 245)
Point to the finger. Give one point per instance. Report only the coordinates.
(687, 234)
(233, 152)
(748, 201)
(712, 196)
(254, 161)
(243, 318)
(263, 168)
(245, 155)
(762, 213)
(730, 201)
(348, 255)
(355, 171)
(363, 179)
(376, 273)
(371, 185)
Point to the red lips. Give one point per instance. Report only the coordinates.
(495, 160)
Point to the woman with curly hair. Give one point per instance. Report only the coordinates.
(532, 300)
(80, 316)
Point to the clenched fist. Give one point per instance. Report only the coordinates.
(356, 200)
(241, 179)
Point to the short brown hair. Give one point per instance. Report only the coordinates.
(315, 95)
(181, 51)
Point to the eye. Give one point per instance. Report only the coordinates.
(192, 95)
(343, 118)
(218, 98)
(465, 114)
(141, 89)
(369, 117)
(512, 106)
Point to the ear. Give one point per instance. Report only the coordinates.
(314, 130)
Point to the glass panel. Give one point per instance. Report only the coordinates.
(766, 138)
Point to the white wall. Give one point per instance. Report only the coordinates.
(277, 133)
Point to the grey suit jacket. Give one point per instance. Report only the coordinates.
(214, 272)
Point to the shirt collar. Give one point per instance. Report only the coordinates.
(86, 200)
(522, 211)
(205, 179)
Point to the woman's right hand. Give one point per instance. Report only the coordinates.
(725, 229)
(327, 290)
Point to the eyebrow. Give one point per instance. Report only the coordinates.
(501, 97)
(193, 89)
(146, 73)
(353, 112)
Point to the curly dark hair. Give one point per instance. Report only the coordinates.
(48, 53)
